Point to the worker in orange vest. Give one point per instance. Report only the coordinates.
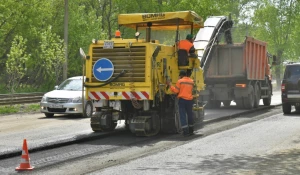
(184, 89)
(185, 48)
(118, 34)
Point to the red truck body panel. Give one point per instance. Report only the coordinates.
(246, 61)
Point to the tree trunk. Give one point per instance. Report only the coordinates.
(66, 21)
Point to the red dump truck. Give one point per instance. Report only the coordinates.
(239, 73)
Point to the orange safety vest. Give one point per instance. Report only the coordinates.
(184, 88)
(185, 45)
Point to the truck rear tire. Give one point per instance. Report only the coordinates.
(249, 101)
(257, 95)
(226, 103)
(267, 101)
(239, 103)
(216, 104)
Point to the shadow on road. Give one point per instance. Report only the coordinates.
(64, 117)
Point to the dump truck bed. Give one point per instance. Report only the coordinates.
(246, 61)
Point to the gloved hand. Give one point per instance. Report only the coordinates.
(168, 82)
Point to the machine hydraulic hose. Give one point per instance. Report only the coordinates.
(111, 80)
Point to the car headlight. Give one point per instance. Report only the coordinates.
(76, 100)
(44, 99)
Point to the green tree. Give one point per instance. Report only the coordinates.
(88, 19)
(52, 54)
(16, 63)
(84, 25)
(275, 21)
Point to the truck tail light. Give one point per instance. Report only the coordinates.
(240, 85)
(282, 87)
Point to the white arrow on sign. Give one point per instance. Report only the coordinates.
(104, 69)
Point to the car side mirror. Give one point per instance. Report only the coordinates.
(56, 87)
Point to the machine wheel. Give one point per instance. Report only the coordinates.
(286, 108)
(96, 122)
(226, 103)
(267, 101)
(96, 130)
(257, 95)
(249, 101)
(49, 115)
(147, 126)
(88, 109)
(111, 128)
(169, 123)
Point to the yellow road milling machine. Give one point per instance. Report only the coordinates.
(126, 79)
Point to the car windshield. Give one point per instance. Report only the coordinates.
(71, 84)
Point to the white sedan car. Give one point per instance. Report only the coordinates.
(65, 99)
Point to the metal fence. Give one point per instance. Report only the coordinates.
(20, 98)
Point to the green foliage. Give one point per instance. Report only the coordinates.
(84, 25)
(32, 108)
(52, 54)
(15, 64)
(41, 22)
(275, 22)
(8, 109)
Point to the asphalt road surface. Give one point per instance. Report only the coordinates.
(268, 146)
(41, 132)
(112, 154)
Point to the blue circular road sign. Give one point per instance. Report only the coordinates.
(103, 69)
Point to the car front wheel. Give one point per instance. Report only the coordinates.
(49, 115)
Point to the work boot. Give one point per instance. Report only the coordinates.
(191, 130)
(185, 132)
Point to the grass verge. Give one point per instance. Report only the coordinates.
(11, 109)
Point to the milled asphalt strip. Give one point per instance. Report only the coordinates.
(94, 136)
(227, 117)
(60, 143)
